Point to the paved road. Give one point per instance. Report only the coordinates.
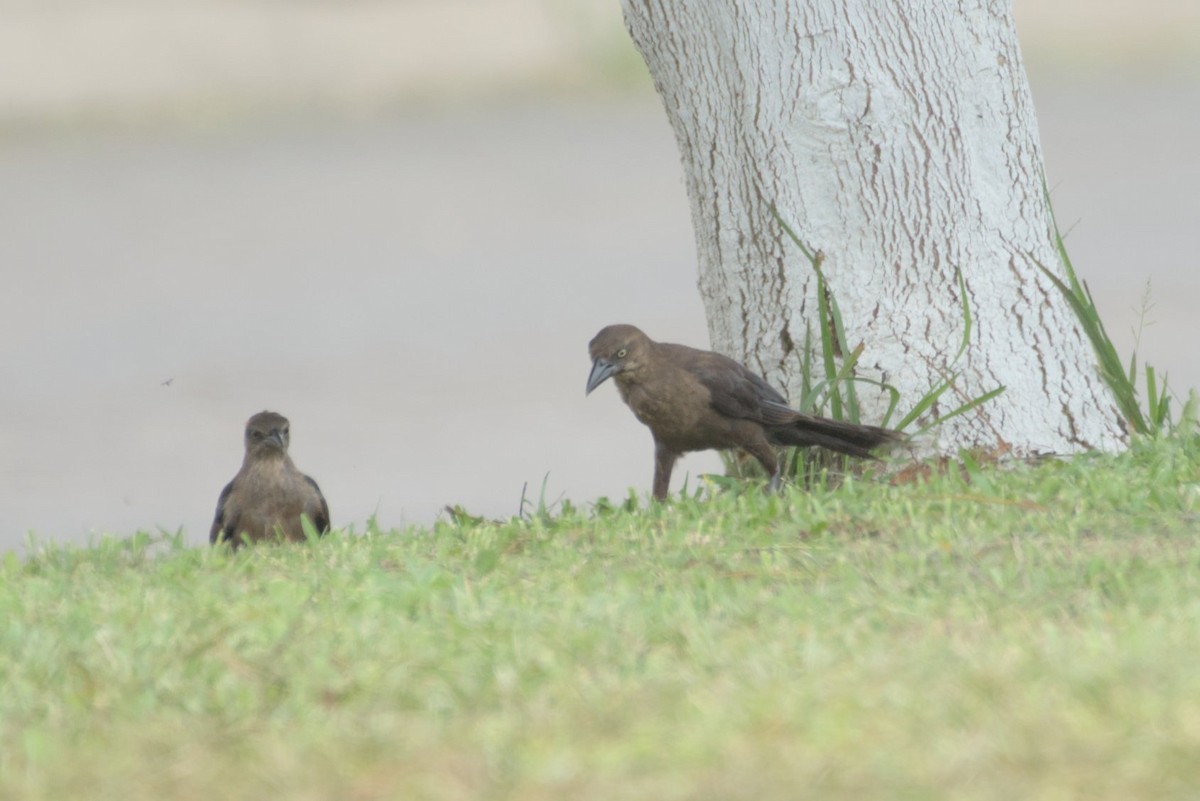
(416, 293)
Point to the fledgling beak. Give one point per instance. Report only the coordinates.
(276, 438)
(602, 370)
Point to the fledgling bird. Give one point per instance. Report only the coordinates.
(268, 495)
(696, 400)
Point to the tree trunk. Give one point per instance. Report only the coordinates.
(898, 138)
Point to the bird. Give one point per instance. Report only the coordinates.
(267, 497)
(695, 400)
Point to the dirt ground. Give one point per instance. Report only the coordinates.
(415, 287)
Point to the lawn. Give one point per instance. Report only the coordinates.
(993, 633)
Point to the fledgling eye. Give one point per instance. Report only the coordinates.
(621, 353)
(256, 434)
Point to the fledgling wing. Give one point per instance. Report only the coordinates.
(220, 525)
(321, 518)
(738, 392)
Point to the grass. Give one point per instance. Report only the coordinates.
(1156, 417)
(834, 384)
(829, 379)
(988, 634)
(830, 383)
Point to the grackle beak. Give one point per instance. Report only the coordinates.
(602, 370)
(276, 438)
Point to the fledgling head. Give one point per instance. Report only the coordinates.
(267, 435)
(616, 349)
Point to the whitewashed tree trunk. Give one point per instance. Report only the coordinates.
(899, 138)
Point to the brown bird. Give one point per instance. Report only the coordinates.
(268, 495)
(695, 400)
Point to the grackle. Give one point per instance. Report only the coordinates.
(695, 400)
(268, 495)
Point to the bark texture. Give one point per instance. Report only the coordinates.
(900, 139)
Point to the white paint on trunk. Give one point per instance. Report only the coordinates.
(900, 140)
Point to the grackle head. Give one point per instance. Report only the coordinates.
(616, 349)
(267, 434)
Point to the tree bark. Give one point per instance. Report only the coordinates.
(900, 139)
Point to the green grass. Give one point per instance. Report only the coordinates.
(1024, 633)
(1150, 416)
(829, 377)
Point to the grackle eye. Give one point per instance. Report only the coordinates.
(621, 353)
(256, 434)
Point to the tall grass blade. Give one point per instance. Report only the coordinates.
(1121, 381)
(838, 387)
